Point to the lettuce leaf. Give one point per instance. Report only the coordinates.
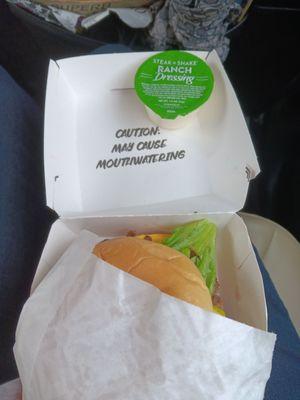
(197, 240)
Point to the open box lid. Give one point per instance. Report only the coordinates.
(103, 156)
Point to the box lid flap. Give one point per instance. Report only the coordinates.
(104, 156)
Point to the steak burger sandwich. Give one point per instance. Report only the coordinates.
(181, 264)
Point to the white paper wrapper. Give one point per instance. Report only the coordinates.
(90, 331)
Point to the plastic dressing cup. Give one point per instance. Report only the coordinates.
(173, 85)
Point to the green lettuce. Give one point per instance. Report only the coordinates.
(197, 240)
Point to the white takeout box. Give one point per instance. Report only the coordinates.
(90, 99)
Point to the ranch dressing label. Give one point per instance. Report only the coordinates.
(174, 83)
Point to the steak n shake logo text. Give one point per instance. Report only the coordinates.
(143, 140)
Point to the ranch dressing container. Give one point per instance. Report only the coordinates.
(173, 85)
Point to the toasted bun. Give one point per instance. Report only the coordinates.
(167, 269)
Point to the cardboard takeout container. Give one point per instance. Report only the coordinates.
(93, 118)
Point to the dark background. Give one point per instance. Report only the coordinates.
(263, 65)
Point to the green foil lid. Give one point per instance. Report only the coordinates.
(174, 83)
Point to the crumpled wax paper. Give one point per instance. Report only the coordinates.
(194, 25)
(91, 331)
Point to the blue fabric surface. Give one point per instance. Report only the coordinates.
(25, 221)
(284, 383)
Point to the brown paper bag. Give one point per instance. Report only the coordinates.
(88, 7)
